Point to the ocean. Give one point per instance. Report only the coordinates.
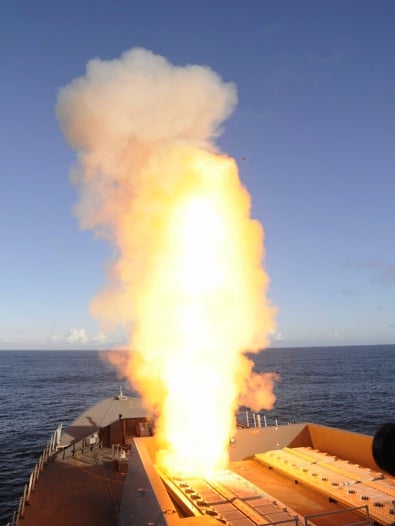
(349, 387)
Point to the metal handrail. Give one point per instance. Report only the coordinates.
(336, 512)
(77, 447)
(250, 419)
(284, 521)
(50, 452)
(46, 454)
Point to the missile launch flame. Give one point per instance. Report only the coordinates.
(188, 281)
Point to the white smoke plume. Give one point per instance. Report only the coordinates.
(187, 278)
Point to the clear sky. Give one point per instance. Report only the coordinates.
(313, 134)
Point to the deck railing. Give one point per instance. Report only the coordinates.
(287, 521)
(248, 418)
(46, 454)
(87, 443)
(50, 453)
(365, 521)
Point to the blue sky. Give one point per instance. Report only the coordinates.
(313, 133)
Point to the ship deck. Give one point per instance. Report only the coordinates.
(297, 497)
(87, 490)
(275, 474)
(82, 490)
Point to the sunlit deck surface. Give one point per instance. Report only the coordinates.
(275, 499)
(88, 491)
(81, 484)
(296, 497)
(79, 491)
(341, 484)
(276, 475)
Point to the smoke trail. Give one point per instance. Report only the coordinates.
(187, 279)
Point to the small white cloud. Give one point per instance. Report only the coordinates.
(333, 334)
(277, 336)
(100, 337)
(77, 336)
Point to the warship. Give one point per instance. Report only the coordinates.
(101, 471)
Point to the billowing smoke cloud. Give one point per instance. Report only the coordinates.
(187, 279)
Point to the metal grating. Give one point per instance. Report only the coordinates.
(234, 501)
(349, 484)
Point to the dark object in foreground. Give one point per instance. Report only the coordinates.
(383, 447)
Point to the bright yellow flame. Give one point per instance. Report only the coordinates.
(187, 280)
(199, 303)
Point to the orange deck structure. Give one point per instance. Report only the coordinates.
(103, 472)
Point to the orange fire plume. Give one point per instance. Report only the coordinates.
(188, 280)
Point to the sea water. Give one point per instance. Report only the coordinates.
(347, 387)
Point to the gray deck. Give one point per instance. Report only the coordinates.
(78, 491)
(101, 415)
